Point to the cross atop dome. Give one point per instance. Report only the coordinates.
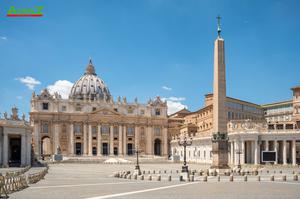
(90, 69)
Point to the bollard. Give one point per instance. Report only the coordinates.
(267, 171)
(158, 178)
(231, 178)
(142, 177)
(169, 178)
(204, 178)
(295, 178)
(129, 177)
(258, 178)
(180, 178)
(218, 178)
(149, 177)
(284, 178)
(272, 178)
(245, 178)
(280, 172)
(293, 172)
(165, 171)
(176, 171)
(135, 177)
(192, 178)
(153, 171)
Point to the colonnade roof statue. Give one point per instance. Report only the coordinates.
(90, 86)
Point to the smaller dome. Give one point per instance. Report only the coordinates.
(90, 86)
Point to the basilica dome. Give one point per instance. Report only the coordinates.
(90, 86)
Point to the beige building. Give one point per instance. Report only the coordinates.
(15, 140)
(91, 123)
(252, 129)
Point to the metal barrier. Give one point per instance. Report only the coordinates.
(35, 177)
(11, 183)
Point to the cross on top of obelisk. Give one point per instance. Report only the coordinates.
(219, 26)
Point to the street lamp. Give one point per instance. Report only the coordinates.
(185, 142)
(239, 152)
(137, 169)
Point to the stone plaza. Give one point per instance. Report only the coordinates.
(95, 181)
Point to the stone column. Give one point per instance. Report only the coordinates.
(276, 150)
(37, 141)
(120, 150)
(232, 152)
(28, 149)
(90, 141)
(284, 152)
(111, 140)
(5, 150)
(124, 140)
(236, 150)
(165, 141)
(243, 151)
(267, 145)
(56, 137)
(149, 141)
(85, 144)
(23, 150)
(71, 141)
(294, 152)
(256, 152)
(136, 137)
(99, 142)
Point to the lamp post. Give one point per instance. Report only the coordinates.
(185, 142)
(239, 152)
(137, 169)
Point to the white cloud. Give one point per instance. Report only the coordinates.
(19, 97)
(30, 82)
(166, 88)
(3, 38)
(63, 87)
(174, 104)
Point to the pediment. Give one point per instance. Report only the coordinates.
(105, 112)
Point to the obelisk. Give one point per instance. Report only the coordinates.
(220, 138)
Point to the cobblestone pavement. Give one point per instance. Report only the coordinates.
(94, 181)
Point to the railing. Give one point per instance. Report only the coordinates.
(11, 183)
(17, 180)
(35, 177)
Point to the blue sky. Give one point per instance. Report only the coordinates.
(138, 47)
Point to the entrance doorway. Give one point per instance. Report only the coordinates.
(115, 150)
(94, 150)
(78, 148)
(15, 152)
(46, 148)
(104, 149)
(157, 147)
(129, 149)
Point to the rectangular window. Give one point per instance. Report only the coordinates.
(130, 131)
(45, 106)
(105, 130)
(94, 130)
(116, 131)
(157, 111)
(157, 131)
(45, 128)
(77, 129)
(63, 108)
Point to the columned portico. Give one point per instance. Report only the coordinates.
(294, 152)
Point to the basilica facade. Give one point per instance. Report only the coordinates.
(91, 123)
